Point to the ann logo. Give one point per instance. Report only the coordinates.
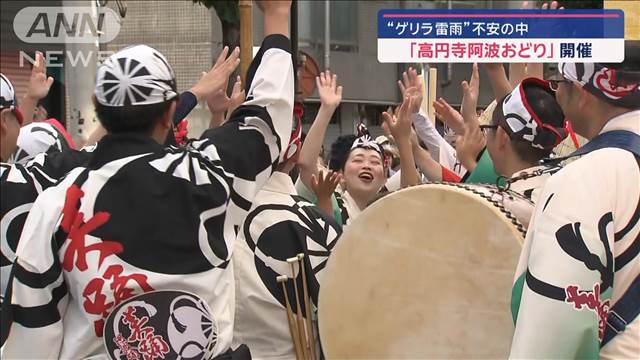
(75, 27)
(69, 24)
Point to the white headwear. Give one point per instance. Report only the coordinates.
(136, 75)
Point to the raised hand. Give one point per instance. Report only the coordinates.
(220, 101)
(469, 146)
(216, 79)
(400, 123)
(324, 186)
(411, 86)
(237, 96)
(554, 6)
(471, 91)
(450, 116)
(39, 83)
(328, 89)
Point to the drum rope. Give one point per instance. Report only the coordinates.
(496, 203)
(524, 176)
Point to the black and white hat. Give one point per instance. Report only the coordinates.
(136, 75)
(615, 86)
(8, 99)
(524, 123)
(37, 138)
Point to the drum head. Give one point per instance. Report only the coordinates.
(425, 272)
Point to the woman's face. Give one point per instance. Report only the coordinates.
(364, 172)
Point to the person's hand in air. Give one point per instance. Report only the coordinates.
(324, 186)
(411, 86)
(330, 93)
(450, 116)
(214, 82)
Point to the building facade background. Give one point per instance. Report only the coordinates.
(190, 36)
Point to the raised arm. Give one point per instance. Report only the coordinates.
(221, 105)
(330, 97)
(424, 160)
(473, 141)
(471, 90)
(39, 85)
(400, 126)
(498, 80)
(411, 85)
(252, 139)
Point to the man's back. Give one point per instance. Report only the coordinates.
(140, 218)
(590, 214)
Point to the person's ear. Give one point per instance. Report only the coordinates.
(4, 118)
(502, 138)
(167, 120)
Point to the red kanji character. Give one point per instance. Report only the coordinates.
(70, 209)
(475, 49)
(129, 315)
(99, 304)
(153, 347)
(508, 50)
(138, 329)
(491, 50)
(119, 283)
(524, 51)
(426, 50)
(136, 325)
(73, 223)
(124, 347)
(458, 49)
(442, 48)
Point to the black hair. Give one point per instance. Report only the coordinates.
(340, 152)
(544, 104)
(131, 118)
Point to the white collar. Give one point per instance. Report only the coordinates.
(351, 206)
(280, 182)
(629, 121)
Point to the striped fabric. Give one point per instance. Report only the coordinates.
(139, 217)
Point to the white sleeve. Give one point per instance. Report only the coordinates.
(427, 133)
(438, 147)
(272, 85)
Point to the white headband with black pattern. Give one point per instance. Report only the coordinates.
(136, 75)
(365, 142)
